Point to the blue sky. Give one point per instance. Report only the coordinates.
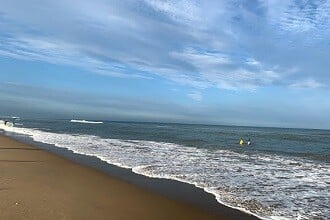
(252, 62)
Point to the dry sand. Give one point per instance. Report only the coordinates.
(36, 184)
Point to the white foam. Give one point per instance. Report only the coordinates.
(268, 186)
(6, 123)
(86, 122)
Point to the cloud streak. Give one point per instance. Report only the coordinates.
(299, 16)
(195, 44)
(196, 95)
(307, 84)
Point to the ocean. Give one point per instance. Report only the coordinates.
(284, 174)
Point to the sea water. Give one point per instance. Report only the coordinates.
(284, 174)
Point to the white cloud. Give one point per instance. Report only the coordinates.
(223, 71)
(299, 16)
(179, 10)
(195, 95)
(252, 62)
(202, 59)
(57, 52)
(307, 84)
(243, 79)
(201, 45)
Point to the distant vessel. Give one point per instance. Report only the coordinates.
(87, 122)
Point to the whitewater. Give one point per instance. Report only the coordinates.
(266, 184)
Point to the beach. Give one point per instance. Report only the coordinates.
(37, 184)
(209, 175)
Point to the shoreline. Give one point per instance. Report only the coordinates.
(175, 191)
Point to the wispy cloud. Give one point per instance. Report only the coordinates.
(307, 84)
(196, 95)
(299, 16)
(202, 59)
(192, 43)
(252, 62)
(59, 52)
(181, 10)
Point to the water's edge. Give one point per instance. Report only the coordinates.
(173, 189)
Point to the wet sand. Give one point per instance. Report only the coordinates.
(35, 184)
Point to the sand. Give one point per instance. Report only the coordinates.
(37, 184)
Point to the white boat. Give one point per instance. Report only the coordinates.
(87, 122)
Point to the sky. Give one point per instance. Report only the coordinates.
(242, 62)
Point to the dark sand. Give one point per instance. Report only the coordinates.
(37, 184)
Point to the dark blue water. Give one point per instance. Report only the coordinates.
(310, 143)
(283, 174)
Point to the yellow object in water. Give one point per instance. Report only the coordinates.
(241, 142)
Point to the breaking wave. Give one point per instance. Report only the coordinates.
(266, 185)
